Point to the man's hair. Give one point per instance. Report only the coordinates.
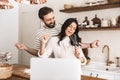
(44, 11)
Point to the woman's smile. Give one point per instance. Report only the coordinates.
(71, 29)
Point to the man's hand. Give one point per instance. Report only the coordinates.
(20, 46)
(95, 44)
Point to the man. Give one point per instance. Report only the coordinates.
(46, 15)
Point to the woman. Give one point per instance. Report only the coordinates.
(65, 44)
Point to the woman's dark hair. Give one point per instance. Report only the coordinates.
(44, 11)
(62, 34)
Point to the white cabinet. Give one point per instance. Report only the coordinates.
(89, 73)
(107, 76)
(117, 76)
(103, 75)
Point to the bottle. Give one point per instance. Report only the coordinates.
(118, 21)
(104, 23)
(96, 21)
(86, 21)
(113, 22)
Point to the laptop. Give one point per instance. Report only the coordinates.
(55, 69)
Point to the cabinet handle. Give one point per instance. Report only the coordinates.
(90, 74)
(96, 75)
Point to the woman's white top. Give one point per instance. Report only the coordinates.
(63, 50)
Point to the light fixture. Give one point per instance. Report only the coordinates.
(31, 1)
(5, 4)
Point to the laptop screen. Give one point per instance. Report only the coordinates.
(55, 69)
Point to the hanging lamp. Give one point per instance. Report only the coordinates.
(5, 4)
(31, 1)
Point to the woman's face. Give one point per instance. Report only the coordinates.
(70, 29)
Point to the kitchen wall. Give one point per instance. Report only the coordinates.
(9, 31)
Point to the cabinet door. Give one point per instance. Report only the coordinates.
(30, 23)
(117, 76)
(108, 76)
(89, 73)
(102, 75)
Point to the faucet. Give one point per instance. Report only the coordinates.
(108, 62)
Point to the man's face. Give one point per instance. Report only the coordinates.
(49, 20)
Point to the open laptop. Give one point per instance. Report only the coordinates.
(55, 69)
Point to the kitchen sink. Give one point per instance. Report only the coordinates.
(100, 70)
(102, 67)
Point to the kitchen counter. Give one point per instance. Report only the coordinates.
(18, 71)
(18, 74)
(84, 77)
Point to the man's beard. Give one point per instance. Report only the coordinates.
(51, 25)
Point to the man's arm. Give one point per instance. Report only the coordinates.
(93, 44)
(31, 51)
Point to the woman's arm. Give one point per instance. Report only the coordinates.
(45, 50)
(79, 54)
(44, 41)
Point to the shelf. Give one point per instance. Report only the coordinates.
(100, 29)
(90, 8)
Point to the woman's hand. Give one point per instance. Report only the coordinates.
(77, 54)
(44, 40)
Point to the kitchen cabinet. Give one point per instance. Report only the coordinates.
(108, 76)
(91, 8)
(117, 76)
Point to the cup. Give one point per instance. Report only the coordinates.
(113, 22)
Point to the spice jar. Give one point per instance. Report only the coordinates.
(113, 22)
(96, 21)
(118, 21)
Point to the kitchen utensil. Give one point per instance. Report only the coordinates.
(74, 40)
(5, 70)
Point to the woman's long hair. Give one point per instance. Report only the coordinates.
(62, 34)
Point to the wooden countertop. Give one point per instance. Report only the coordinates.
(18, 72)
